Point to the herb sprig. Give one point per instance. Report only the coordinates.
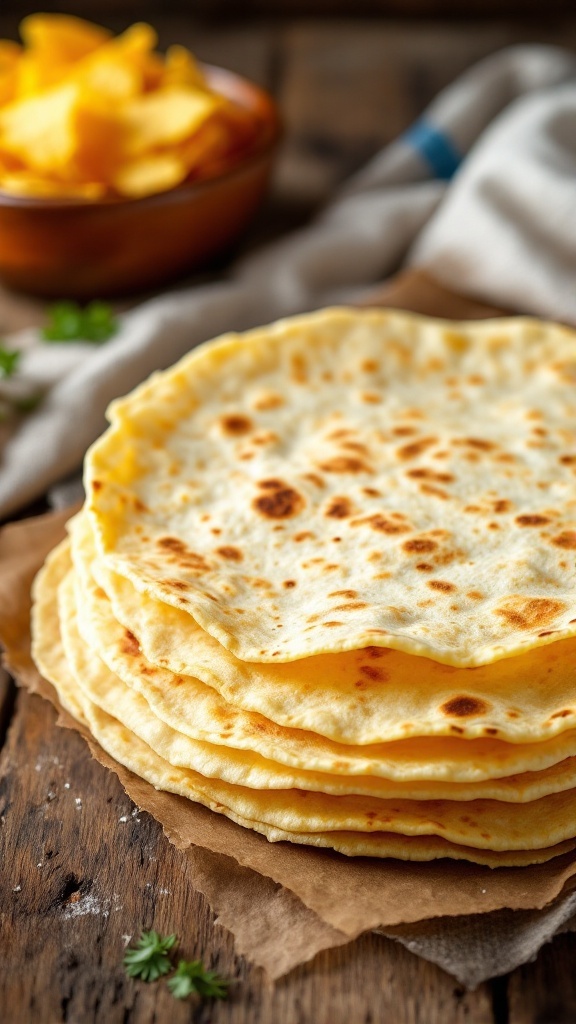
(68, 321)
(9, 359)
(191, 976)
(149, 960)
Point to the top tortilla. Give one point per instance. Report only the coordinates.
(353, 478)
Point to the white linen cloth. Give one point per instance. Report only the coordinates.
(482, 191)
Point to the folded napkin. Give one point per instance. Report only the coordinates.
(480, 191)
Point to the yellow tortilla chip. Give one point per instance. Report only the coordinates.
(38, 129)
(62, 38)
(150, 174)
(118, 70)
(182, 69)
(10, 56)
(166, 117)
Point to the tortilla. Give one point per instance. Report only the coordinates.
(353, 478)
(356, 697)
(279, 815)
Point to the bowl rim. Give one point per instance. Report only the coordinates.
(267, 140)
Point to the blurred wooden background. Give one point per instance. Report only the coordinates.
(349, 75)
(217, 9)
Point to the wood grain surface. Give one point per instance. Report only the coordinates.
(81, 869)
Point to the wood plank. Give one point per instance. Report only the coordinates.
(233, 9)
(83, 869)
(545, 992)
(350, 87)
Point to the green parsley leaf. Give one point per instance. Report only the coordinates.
(68, 321)
(149, 960)
(99, 322)
(190, 976)
(8, 362)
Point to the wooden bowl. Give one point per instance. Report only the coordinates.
(83, 249)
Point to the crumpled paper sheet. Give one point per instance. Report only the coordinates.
(285, 903)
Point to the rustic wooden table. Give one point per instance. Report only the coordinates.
(82, 869)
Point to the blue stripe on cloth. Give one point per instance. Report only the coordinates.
(437, 148)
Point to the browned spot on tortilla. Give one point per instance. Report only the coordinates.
(183, 556)
(268, 400)
(489, 731)
(464, 706)
(175, 584)
(139, 505)
(287, 584)
(475, 595)
(567, 460)
(314, 478)
(351, 606)
(266, 437)
(231, 553)
(97, 485)
(566, 539)
(437, 492)
(369, 365)
(524, 612)
(502, 505)
(404, 431)
(429, 474)
(331, 623)
(419, 546)
(279, 502)
(270, 484)
(372, 672)
(416, 448)
(304, 535)
(371, 492)
(339, 508)
(129, 644)
(548, 632)
(235, 425)
(355, 446)
(424, 567)
(299, 368)
(376, 652)
(344, 593)
(562, 714)
(371, 397)
(472, 508)
(382, 524)
(345, 464)
(443, 585)
(457, 729)
(340, 432)
(216, 531)
(532, 520)
(479, 443)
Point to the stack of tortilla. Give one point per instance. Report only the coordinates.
(324, 583)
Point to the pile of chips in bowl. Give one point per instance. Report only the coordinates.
(87, 115)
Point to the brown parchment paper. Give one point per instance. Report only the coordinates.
(285, 903)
